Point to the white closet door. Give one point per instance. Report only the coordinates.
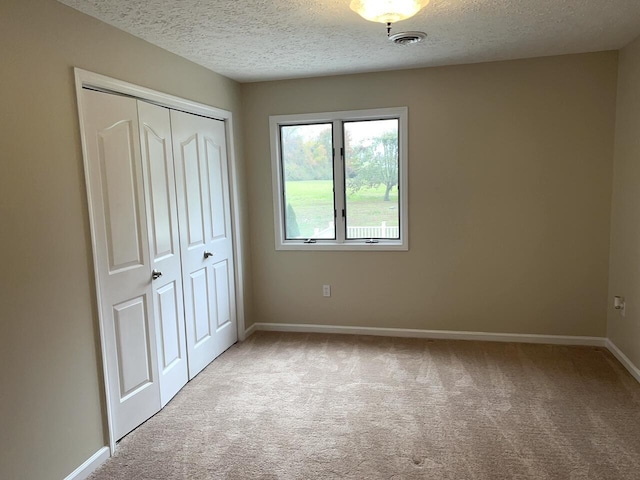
(202, 184)
(164, 245)
(122, 257)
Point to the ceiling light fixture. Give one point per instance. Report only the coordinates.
(387, 11)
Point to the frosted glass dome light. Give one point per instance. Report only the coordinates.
(387, 11)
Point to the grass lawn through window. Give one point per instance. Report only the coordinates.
(312, 199)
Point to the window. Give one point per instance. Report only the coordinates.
(340, 180)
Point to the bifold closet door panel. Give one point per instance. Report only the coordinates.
(202, 187)
(121, 257)
(164, 247)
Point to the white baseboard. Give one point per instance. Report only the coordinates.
(93, 462)
(624, 360)
(439, 334)
(249, 331)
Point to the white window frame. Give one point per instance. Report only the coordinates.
(337, 119)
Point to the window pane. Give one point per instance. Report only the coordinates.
(371, 175)
(307, 166)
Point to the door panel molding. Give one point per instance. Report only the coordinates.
(123, 231)
(159, 185)
(169, 317)
(130, 324)
(192, 188)
(215, 170)
(221, 272)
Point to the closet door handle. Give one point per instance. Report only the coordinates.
(156, 274)
(208, 254)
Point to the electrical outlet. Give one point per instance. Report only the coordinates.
(620, 305)
(326, 290)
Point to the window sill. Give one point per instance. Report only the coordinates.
(361, 246)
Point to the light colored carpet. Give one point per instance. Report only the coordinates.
(298, 406)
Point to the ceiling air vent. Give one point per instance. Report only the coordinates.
(407, 38)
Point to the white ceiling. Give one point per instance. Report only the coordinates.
(266, 40)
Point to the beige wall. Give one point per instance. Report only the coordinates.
(625, 213)
(50, 396)
(510, 170)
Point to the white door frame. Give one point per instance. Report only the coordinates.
(96, 81)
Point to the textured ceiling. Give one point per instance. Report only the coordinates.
(267, 40)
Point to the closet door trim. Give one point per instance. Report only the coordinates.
(95, 81)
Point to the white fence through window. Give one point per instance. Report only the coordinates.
(375, 231)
